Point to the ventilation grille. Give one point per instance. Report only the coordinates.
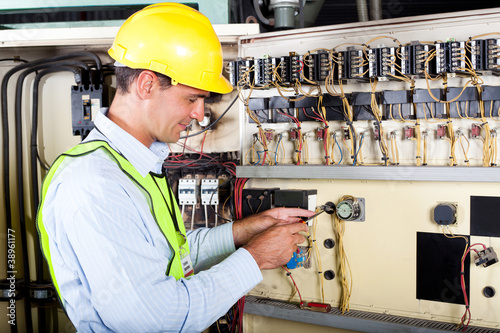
(418, 323)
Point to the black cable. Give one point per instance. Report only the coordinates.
(5, 135)
(212, 124)
(34, 144)
(14, 59)
(34, 181)
(5, 122)
(20, 184)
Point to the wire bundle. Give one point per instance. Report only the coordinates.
(466, 317)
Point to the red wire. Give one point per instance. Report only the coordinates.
(467, 313)
(297, 288)
(203, 142)
(301, 65)
(311, 117)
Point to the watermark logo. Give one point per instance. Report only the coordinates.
(11, 276)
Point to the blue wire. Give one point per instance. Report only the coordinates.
(359, 148)
(340, 149)
(277, 147)
(258, 154)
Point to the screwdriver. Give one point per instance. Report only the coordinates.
(328, 207)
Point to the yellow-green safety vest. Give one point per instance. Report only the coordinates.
(156, 190)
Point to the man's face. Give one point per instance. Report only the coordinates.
(172, 110)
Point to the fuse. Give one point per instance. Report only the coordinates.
(376, 131)
(441, 131)
(269, 133)
(475, 131)
(347, 134)
(320, 134)
(409, 133)
(294, 134)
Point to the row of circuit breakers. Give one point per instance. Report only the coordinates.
(359, 64)
(396, 104)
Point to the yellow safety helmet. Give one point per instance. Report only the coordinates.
(175, 40)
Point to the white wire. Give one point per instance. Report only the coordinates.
(192, 217)
(206, 216)
(216, 214)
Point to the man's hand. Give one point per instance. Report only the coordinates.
(275, 246)
(245, 229)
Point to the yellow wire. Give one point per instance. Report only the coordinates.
(345, 268)
(318, 258)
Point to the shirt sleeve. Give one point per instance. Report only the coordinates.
(209, 246)
(107, 251)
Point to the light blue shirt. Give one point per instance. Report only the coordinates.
(110, 257)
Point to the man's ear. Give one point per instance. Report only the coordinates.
(145, 83)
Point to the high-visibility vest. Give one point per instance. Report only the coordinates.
(156, 191)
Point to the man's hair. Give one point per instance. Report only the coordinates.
(126, 75)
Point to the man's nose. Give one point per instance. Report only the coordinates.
(198, 112)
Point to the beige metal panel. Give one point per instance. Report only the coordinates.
(382, 250)
(227, 33)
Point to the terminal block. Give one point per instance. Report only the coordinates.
(264, 69)
(382, 62)
(414, 57)
(343, 66)
(317, 66)
(358, 64)
(493, 54)
(477, 54)
(296, 67)
(486, 257)
(240, 73)
(450, 57)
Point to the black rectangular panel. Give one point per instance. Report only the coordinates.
(438, 268)
(256, 200)
(484, 213)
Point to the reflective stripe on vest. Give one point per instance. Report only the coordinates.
(155, 189)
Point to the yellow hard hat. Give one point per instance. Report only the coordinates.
(175, 40)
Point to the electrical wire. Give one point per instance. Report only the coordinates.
(344, 266)
(215, 121)
(296, 288)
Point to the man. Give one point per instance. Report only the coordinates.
(110, 229)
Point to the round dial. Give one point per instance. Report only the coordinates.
(345, 210)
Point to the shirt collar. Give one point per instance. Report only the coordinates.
(144, 159)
